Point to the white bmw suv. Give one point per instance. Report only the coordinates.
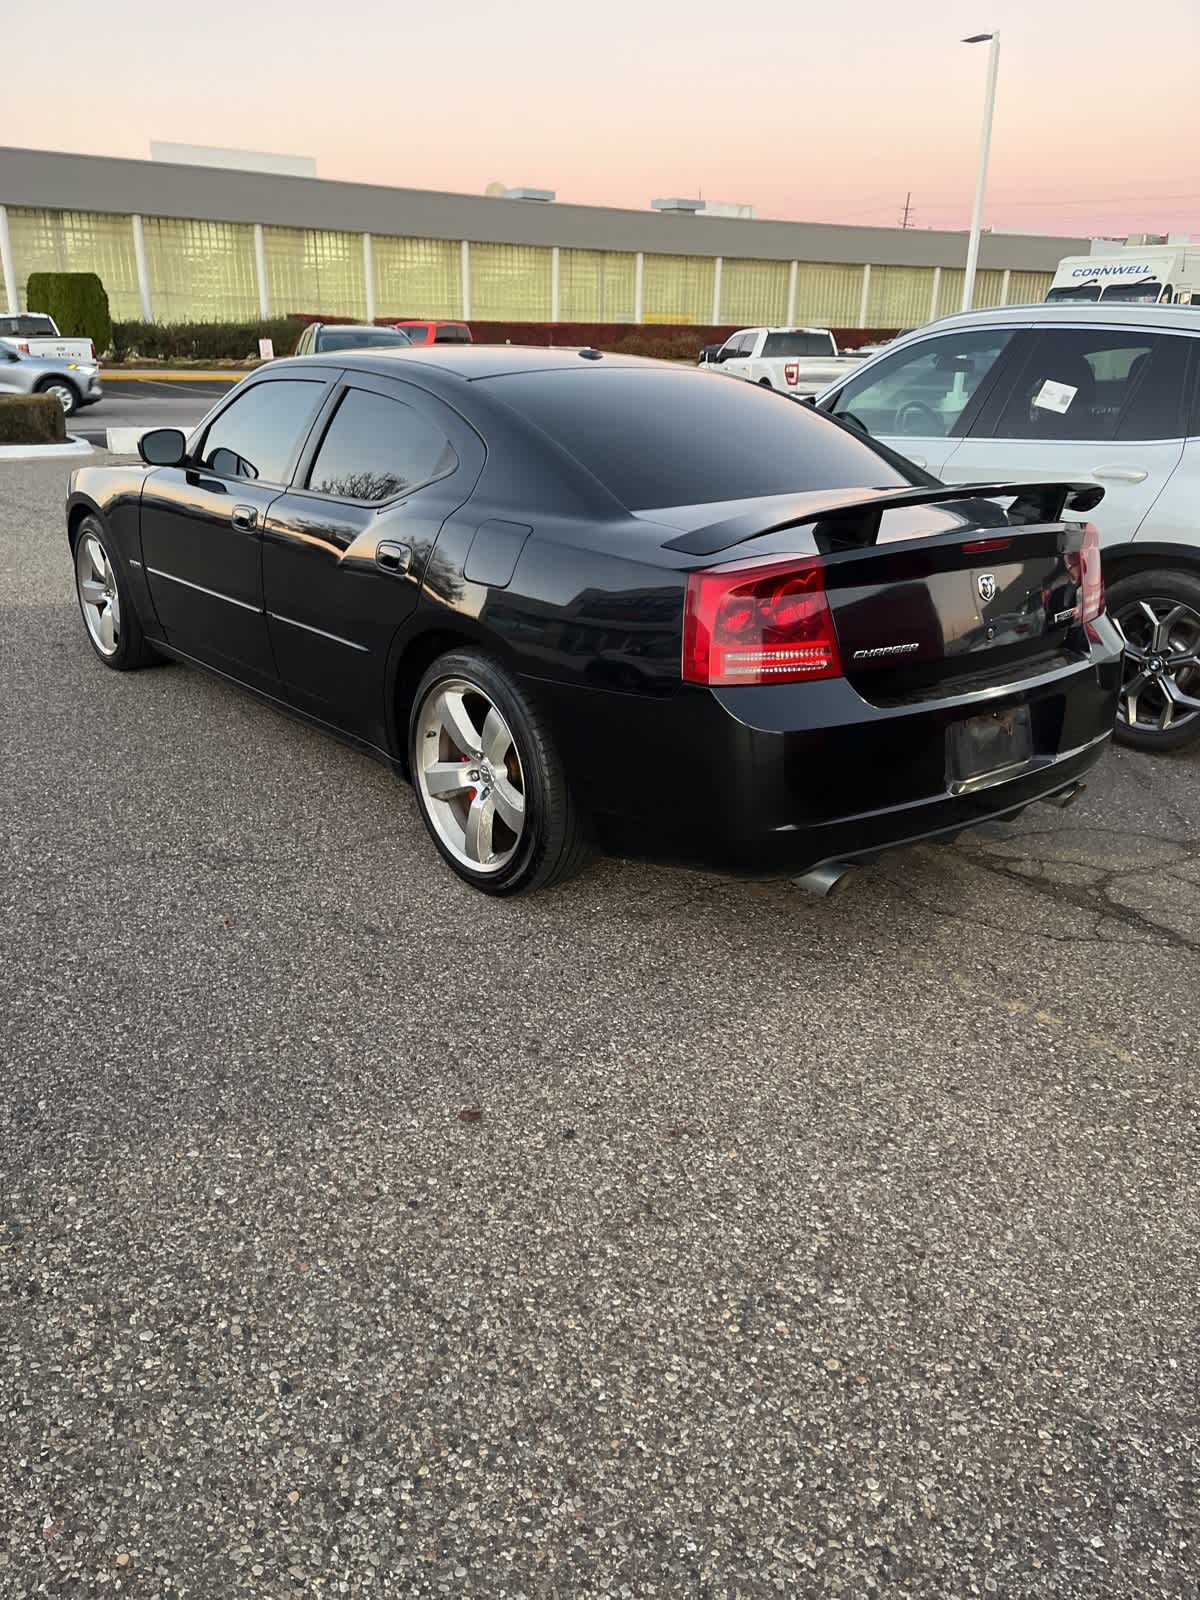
(1091, 393)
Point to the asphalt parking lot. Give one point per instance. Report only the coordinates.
(146, 404)
(658, 1236)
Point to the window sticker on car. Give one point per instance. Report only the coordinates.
(1055, 396)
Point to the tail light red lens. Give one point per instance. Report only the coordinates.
(759, 622)
(1086, 569)
(1091, 584)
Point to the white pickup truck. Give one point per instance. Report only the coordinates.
(796, 361)
(35, 334)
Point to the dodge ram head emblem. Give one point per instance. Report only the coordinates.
(987, 585)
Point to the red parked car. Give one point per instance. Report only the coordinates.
(432, 332)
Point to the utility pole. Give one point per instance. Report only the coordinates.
(992, 40)
(904, 222)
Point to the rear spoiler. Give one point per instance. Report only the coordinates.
(859, 512)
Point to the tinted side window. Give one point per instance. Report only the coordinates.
(679, 438)
(1097, 384)
(376, 448)
(454, 334)
(923, 391)
(260, 433)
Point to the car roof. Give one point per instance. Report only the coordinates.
(468, 361)
(1073, 311)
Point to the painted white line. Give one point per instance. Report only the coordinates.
(124, 441)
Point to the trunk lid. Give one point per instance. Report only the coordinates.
(933, 592)
(953, 613)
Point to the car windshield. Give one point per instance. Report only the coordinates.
(360, 338)
(1075, 291)
(657, 437)
(1145, 293)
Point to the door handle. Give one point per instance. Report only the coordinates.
(1120, 475)
(392, 557)
(245, 517)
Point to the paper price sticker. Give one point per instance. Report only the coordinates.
(1055, 396)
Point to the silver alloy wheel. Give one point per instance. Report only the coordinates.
(470, 775)
(1161, 688)
(98, 598)
(63, 393)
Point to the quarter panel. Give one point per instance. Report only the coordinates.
(114, 494)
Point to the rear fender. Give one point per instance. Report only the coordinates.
(1143, 555)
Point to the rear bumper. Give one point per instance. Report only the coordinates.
(772, 780)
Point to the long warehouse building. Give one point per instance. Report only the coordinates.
(176, 243)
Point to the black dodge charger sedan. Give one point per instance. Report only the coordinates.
(581, 598)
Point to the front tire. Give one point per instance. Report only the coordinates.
(113, 628)
(63, 391)
(1159, 614)
(489, 781)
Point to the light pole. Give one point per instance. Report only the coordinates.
(985, 143)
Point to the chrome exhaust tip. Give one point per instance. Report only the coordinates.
(1065, 797)
(824, 880)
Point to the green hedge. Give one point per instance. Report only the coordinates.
(201, 341)
(31, 419)
(77, 302)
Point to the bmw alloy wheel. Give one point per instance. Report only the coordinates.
(470, 775)
(98, 598)
(1161, 689)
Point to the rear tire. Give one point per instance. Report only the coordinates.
(489, 781)
(110, 619)
(765, 383)
(1159, 614)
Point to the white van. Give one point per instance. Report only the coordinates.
(1144, 275)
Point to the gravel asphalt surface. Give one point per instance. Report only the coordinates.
(658, 1236)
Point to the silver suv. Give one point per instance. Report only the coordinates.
(72, 383)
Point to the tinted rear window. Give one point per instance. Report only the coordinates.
(656, 437)
(27, 327)
(360, 338)
(798, 344)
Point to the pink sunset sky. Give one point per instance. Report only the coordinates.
(823, 112)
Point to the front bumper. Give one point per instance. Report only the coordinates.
(772, 780)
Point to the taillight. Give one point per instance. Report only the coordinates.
(759, 622)
(1088, 573)
(1091, 585)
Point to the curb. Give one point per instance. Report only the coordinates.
(230, 375)
(38, 452)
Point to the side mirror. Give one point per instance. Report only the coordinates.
(163, 447)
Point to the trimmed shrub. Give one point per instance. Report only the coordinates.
(78, 303)
(238, 341)
(202, 341)
(670, 341)
(31, 419)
